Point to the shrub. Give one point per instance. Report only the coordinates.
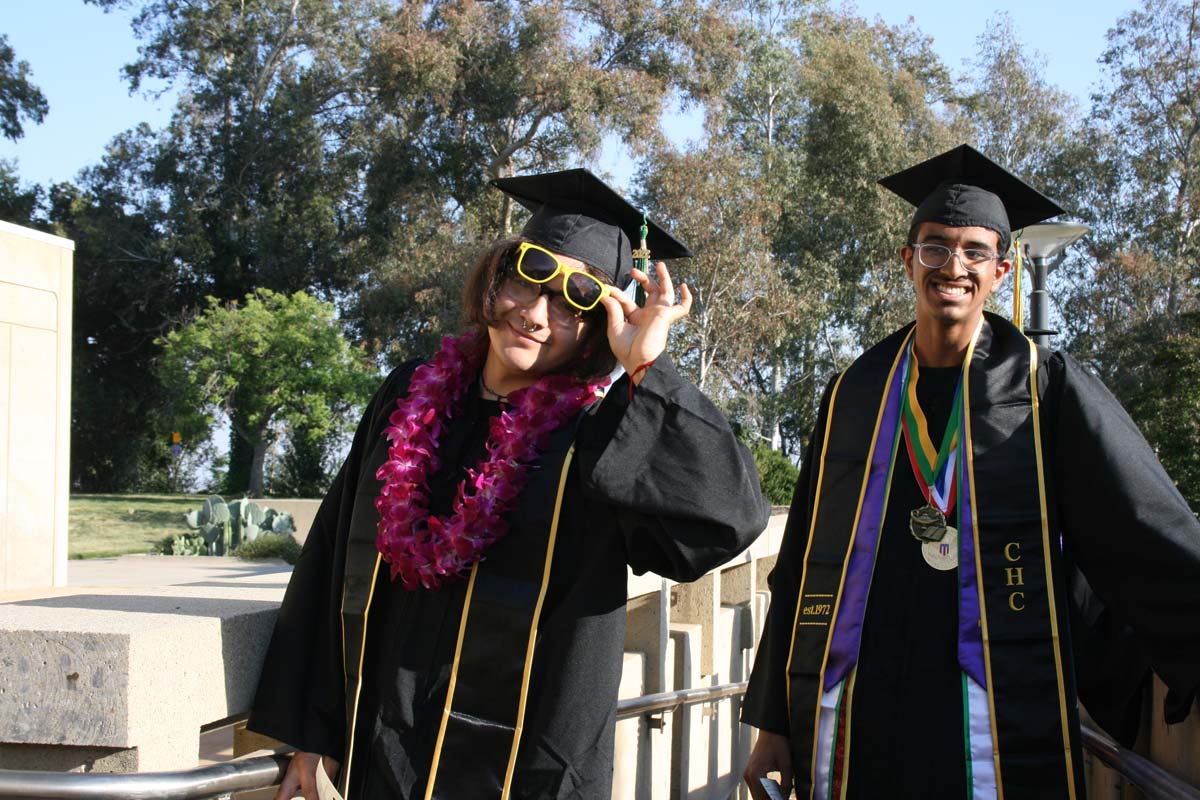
(270, 545)
(776, 473)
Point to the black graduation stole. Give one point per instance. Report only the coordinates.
(1030, 694)
(475, 754)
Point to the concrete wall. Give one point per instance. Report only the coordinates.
(35, 406)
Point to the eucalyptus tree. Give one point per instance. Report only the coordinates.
(1131, 172)
(823, 103)
(1150, 102)
(463, 92)
(20, 99)
(252, 181)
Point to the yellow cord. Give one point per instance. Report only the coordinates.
(1018, 306)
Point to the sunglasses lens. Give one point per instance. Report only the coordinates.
(583, 291)
(537, 266)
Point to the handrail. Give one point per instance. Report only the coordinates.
(1152, 779)
(669, 701)
(201, 783)
(260, 772)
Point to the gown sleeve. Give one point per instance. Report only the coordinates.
(300, 696)
(683, 490)
(1127, 527)
(766, 704)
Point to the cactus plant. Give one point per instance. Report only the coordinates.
(223, 527)
(211, 522)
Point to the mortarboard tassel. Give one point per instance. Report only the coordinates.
(641, 259)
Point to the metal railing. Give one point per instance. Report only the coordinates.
(218, 780)
(1155, 782)
(260, 772)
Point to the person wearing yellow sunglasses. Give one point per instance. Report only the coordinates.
(493, 501)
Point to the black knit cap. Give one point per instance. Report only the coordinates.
(577, 214)
(963, 187)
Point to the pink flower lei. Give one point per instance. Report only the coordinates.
(429, 551)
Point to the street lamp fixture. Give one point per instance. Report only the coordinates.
(1041, 243)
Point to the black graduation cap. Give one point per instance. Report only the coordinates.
(963, 187)
(577, 214)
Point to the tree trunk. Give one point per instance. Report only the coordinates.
(256, 469)
(241, 459)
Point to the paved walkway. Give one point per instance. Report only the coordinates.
(138, 571)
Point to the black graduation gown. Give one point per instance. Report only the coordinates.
(657, 484)
(1123, 525)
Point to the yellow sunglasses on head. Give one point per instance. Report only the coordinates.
(580, 288)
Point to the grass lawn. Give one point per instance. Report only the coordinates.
(104, 525)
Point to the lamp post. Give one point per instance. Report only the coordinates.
(1043, 242)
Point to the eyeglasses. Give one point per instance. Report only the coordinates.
(538, 265)
(936, 256)
(523, 293)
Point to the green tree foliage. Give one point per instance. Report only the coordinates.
(776, 474)
(819, 103)
(19, 98)
(465, 92)
(251, 173)
(18, 203)
(1010, 110)
(343, 148)
(127, 288)
(250, 184)
(306, 467)
(1158, 381)
(1151, 106)
(1129, 292)
(275, 359)
(1130, 171)
(742, 305)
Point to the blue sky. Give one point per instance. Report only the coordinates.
(76, 52)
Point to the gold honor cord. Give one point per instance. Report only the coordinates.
(1018, 300)
(462, 629)
(537, 613)
(1037, 443)
(345, 777)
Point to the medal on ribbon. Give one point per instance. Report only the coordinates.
(935, 471)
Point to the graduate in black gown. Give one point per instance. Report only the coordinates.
(455, 623)
(979, 537)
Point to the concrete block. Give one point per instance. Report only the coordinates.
(738, 584)
(762, 571)
(732, 739)
(697, 603)
(626, 762)
(646, 633)
(762, 603)
(68, 758)
(35, 412)
(689, 744)
(246, 741)
(131, 671)
(1175, 748)
(661, 735)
